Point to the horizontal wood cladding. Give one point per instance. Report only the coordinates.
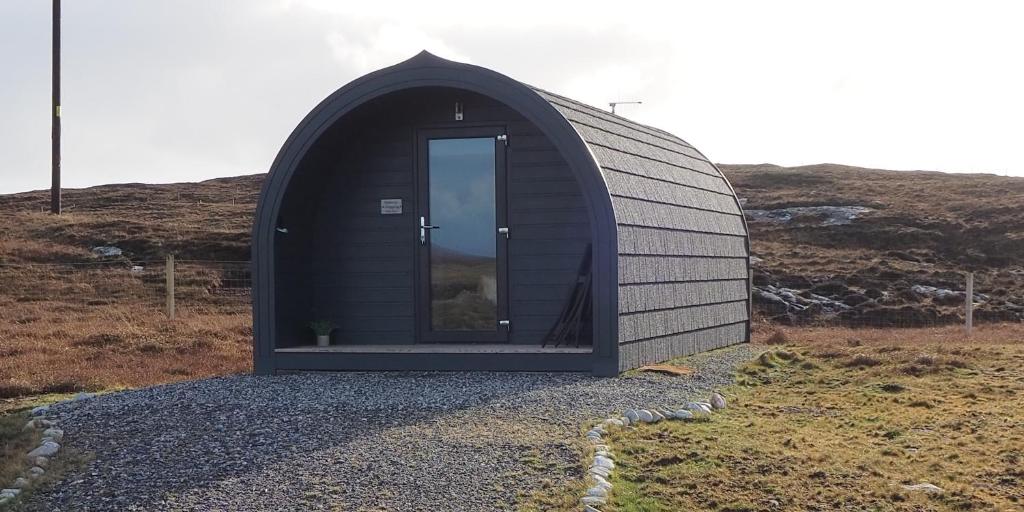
(683, 251)
(654, 324)
(655, 296)
(638, 165)
(639, 240)
(634, 147)
(364, 265)
(663, 269)
(643, 352)
(637, 212)
(638, 187)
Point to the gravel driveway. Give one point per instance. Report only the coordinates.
(349, 441)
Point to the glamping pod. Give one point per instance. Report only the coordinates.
(436, 215)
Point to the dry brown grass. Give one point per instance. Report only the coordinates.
(840, 419)
(925, 227)
(93, 327)
(210, 220)
(105, 328)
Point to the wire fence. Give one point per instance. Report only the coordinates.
(890, 301)
(196, 287)
(141, 287)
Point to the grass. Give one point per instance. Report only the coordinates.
(555, 491)
(839, 420)
(16, 441)
(97, 329)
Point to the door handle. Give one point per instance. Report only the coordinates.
(423, 230)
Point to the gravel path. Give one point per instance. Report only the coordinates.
(349, 441)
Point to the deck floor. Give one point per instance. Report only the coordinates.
(441, 348)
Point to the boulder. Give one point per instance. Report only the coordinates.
(632, 415)
(924, 487)
(950, 299)
(769, 301)
(696, 409)
(645, 416)
(47, 449)
(107, 251)
(683, 414)
(717, 401)
(55, 433)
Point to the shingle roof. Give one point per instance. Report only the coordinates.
(682, 239)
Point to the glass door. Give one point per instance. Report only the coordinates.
(462, 283)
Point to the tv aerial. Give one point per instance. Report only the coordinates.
(616, 103)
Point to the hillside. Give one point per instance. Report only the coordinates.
(204, 221)
(958, 220)
(844, 233)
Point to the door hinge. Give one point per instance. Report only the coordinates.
(503, 138)
(506, 324)
(503, 231)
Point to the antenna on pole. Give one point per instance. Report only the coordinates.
(55, 115)
(614, 103)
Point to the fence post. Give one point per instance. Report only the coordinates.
(969, 305)
(169, 270)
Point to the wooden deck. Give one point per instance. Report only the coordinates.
(437, 348)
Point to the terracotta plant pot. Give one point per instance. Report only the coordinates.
(323, 340)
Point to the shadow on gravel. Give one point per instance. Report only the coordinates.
(225, 442)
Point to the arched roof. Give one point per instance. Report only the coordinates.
(648, 192)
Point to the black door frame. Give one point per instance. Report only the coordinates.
(424, 334)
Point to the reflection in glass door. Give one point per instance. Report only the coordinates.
(459, 221)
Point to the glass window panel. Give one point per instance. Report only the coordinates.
(463, 263)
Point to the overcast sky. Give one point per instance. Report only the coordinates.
(163, 91)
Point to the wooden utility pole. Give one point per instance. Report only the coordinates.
(55, 113)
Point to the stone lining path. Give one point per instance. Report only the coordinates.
(351, 441)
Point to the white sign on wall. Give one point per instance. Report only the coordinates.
(390, 206)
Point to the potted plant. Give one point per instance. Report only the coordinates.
(322, 329)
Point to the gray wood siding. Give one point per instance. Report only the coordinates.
(642, 352)
(683, 253)
(364, 264)
(635, 298)
(364, 267)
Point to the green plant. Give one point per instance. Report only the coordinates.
(322, 327)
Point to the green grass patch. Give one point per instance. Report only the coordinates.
(836, 426)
